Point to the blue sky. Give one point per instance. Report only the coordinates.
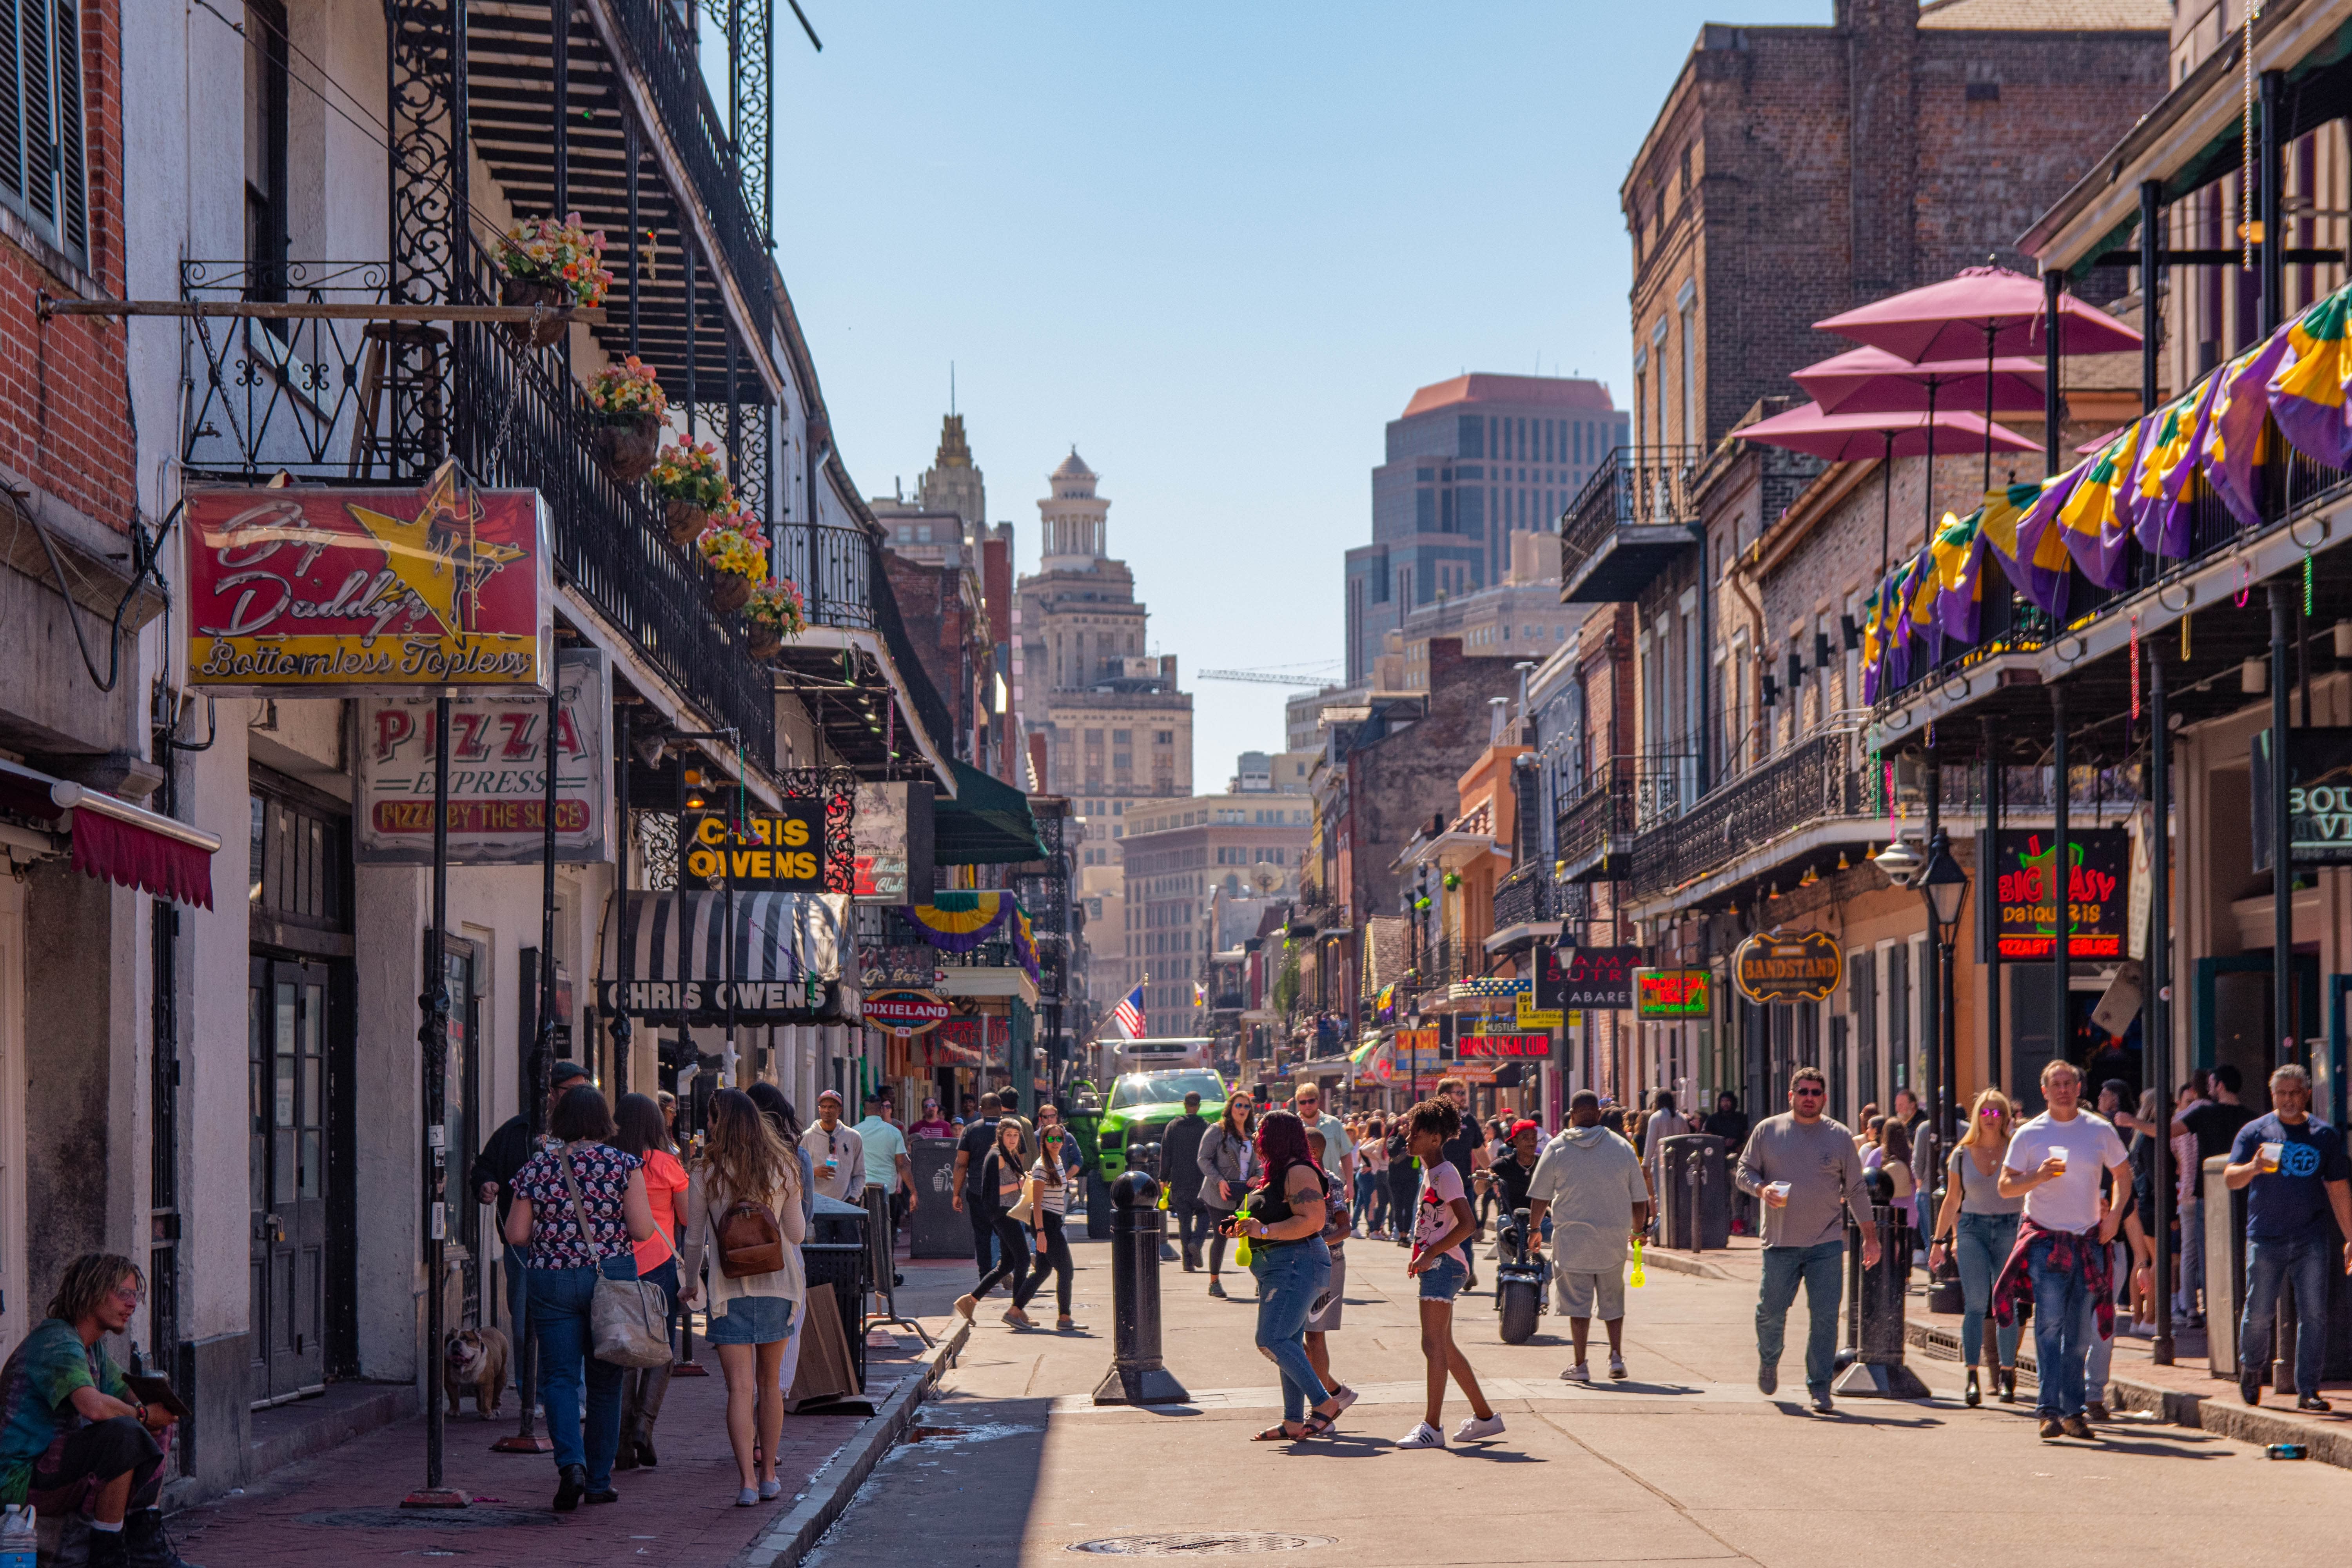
(1217, 246)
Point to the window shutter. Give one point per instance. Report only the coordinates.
(74, 217)
(40, 111)
(11, 109)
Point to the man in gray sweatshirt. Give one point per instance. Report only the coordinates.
(1803, 1167)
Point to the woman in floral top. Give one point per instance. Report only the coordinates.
(560, 1271)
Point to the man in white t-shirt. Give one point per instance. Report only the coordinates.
(2055, 1163)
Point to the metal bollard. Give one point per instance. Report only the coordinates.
(1874, 1314)
(1136, 1376)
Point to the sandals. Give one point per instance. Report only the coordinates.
(1280, 1432)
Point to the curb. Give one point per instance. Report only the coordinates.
(2330, 1445)
(787, 1541)
(1682, 1263)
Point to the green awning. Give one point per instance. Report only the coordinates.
(987, 823)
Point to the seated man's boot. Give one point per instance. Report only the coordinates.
(146, 1543)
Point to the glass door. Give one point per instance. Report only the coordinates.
(285, 1033)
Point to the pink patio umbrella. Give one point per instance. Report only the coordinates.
(1983, 313)
(1873, 380)
(1861, 437)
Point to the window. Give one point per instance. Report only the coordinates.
(266, 239)
(1168, 736)
(41, 120)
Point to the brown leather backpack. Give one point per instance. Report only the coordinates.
(749, 1239)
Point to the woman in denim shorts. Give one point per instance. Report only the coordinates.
(1441, 1221)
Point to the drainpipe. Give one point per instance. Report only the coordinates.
(1756, 625)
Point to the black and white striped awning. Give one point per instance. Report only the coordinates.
(672, 951)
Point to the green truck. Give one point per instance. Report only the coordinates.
(1142, 1103)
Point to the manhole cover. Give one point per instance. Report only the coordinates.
(1199, 1543)
(475, 1518)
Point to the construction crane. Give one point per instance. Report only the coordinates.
(1267, 677)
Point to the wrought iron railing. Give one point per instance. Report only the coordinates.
(667, 56)
(2008, 624)
(316, 401)
(1816, 779)
(1633, 487)
(1522, 898)
(1606, 811)
(836, 568)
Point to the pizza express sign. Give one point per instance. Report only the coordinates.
(904, 1013)
(1800, 967)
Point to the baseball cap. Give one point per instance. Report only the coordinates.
(831, 1094)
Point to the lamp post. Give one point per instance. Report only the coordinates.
(1943, 888)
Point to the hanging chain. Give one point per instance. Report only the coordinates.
(2246, 142)
(2135, 667)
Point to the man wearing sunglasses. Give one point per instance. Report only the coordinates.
(1803, 1167)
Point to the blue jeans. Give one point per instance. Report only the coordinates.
(1982, 1243)
(1366, 1181)
(2301, 1264)
(1290, 1277)
(2064, 1328)
(511, 1260)
(1822, 1270)
(559, 1314)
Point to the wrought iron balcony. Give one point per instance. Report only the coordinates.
(1522, 898)
(315, 399)
(1632, 518)
(1816, 780)
(1595, 830)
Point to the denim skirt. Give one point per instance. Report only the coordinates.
(752, 1321)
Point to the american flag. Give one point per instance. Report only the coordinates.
(1129, 1014)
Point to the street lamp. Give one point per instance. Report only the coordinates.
(1943, 888)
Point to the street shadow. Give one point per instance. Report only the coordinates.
(1633, 1386)
(2177, 1448)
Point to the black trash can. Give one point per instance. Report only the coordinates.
(1695, 1193)
(936, 1229)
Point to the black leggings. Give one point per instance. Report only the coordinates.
(1216, 1218)
(1055, 1260)
(1011, 1259)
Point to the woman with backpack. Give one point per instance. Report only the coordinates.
(1224, 1161)
(580, 1207)
(1003, 1176)
(745, 1204)
(645, 1133)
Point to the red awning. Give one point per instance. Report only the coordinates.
(118, 842)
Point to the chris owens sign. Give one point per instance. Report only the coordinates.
(768, 853)
(344, 592)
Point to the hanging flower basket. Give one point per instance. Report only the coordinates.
(735, 550)
(691, 481)
(630, 404)
(772, 614)
(555, 263)
(535, 334)
(628, 446)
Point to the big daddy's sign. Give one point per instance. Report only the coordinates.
(347, 592)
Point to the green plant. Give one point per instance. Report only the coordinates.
(558, 254)
(693, 471)
(627, 390)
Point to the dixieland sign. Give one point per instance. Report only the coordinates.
(904, 1013)
(1793, 966)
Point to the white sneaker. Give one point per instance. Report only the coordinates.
(1580, 1373)
(1616, 1366)
(1423, 1435)
(1472, 1430)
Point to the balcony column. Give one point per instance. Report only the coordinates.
(734, 417)
(2270, 174)
(2157, 1026)
(693, 331)
(2052, 402)
(2151, 279)
(635, 155)
(1988, 915)
(2060, 884)
(559, 29)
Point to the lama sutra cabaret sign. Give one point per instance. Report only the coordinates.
(348, 592)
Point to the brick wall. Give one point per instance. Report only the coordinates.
(1783, 223)
(67, 421)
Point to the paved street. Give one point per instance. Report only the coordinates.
(1684, 1462)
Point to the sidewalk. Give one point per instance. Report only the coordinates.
(344, 1505)
(2185, 1394)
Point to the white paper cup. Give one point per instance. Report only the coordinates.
(1780, 1190)
(2271, 1153)
(2059, 1154)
